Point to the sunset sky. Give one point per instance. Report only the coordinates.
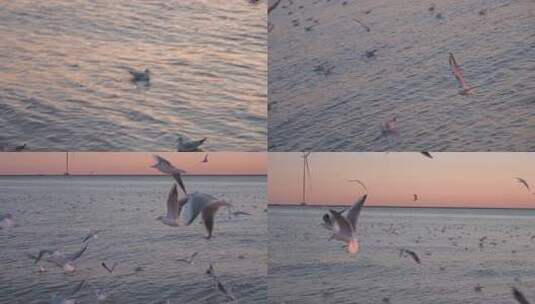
(450, 179)
(131, 163)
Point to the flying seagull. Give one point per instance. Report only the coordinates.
(519, 297)
(188, 260)
(358, 182)
(140, 76)
(66, 262)
(189, 145)
(345, 228)
(109, 269)
(411, 253)
(458, 73)
(164, 166)
(205, 160)
(204, 204)
(426, 154)
(6, 221)
(224, 290)
(415, 197)
(174, 206)
(523, 182)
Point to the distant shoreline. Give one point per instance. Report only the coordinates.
(399, 207)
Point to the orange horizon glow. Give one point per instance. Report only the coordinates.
(481, 180)
(131, 163)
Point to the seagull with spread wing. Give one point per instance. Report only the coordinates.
(345, 228)
(174, 207)
(523, 182)
(164, 166)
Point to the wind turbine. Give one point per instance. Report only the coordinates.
(306, 171)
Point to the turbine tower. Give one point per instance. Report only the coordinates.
(306, 171)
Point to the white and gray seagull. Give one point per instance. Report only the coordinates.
(184, 145)
(345, 228)
(164, 166)
(204, 204)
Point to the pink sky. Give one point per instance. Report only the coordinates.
(138, 163)
(450, 179)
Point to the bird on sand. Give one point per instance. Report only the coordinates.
(164, 166)
(140, 76)
(184, 145)
(66, 262)
(204, 204)
(459, 75)
(523, 182)
(108, 268)
(411, 253)
(174, 207)
(519, 296)
(6, 221)
(345, 228)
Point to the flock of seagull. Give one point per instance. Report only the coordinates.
(344, 229)
(181, 205)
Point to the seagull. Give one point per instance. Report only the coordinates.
(140, 76)
(426, 154)
(358, 182)
(523, 182)
(189, 145)
(164, 166)
(345, 228)
(204, 204)
(68, 299)
(205, 160)
(413, 255)
(415, 198)
(188, 260)
(173, 208)
(6, 221)
(109, 269)
(66, 261)
(91, 234)
(458, 73)
(519, 297)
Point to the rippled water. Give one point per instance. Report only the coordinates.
(56, 212)
(409, 77)
(64, 81)
(304, 267)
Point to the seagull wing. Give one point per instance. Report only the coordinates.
(519, 297)
(457, 72)
(208, 214)
(172, 203)
(106, 267)
(194, 205)
(523, 182)
(77, 254)
(178, 178)
(354, 212)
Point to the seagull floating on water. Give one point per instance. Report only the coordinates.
(345, 228)
(189, 145)
(164, 166)
(204, 204)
